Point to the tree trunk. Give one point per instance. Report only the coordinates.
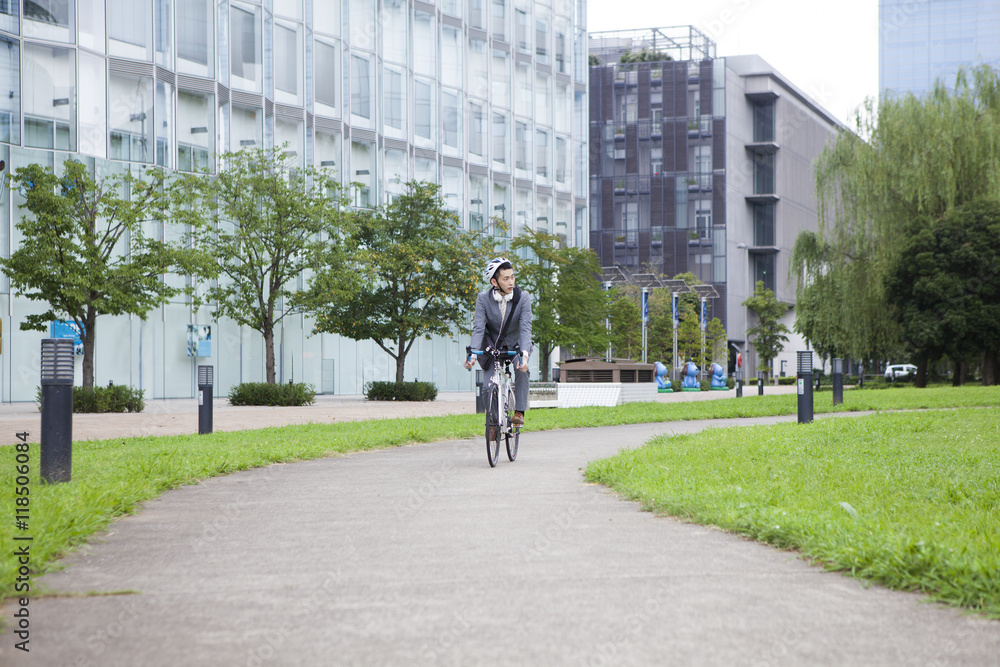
(269, 349)
(921, 381)
(400, 359)
(990, 359)
(958, 377)
(87, 337)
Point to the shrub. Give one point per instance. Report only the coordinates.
(113, 398)
(400, 391)
(262, 393)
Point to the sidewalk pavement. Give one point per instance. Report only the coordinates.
(179, 416)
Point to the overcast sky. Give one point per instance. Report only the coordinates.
(828, 50)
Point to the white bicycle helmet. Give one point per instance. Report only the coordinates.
(492, 266)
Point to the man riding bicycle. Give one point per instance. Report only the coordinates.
(503, 318)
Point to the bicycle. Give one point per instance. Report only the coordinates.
(500, 403)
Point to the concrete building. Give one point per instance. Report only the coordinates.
(922, 42)
(702, 164)
(486, 97)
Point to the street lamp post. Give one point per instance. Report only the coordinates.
(676, 287)
(646, 282)
(704, 292)
(610, 276)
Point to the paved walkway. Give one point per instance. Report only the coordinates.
(424, 555)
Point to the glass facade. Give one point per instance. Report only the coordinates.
(922, 42)
(486, 97)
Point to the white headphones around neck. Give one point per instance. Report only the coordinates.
(502, 297)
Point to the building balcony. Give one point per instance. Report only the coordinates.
(762, 147)
(762, 198)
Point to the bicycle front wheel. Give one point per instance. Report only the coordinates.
(493, 426)
(513, 432)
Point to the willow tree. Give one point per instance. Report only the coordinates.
(911, 158)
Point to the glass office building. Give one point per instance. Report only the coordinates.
(923, 41)
(486, 97)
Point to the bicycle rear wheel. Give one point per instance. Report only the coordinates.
(493, 426)
(513, 432)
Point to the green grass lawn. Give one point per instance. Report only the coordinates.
(907, 500)
(112, 477)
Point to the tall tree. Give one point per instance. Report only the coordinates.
(419, 273)
(912, 158)
(945, 287)
(568, 303)
(265, 222)
(91, 247)
(768, 335)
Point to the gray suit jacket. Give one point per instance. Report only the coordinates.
(486, 324)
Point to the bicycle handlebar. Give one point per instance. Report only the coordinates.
(516, 352)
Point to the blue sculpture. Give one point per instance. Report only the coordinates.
(718, 376)
(690, 381)
(662, 383)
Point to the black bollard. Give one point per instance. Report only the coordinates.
(206, 382)
(739, 382)
(56, 457)
(480, 401)
(804, 378)
(838, 381)
(760, 383)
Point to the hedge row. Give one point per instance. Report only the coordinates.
(114, 398)
(262, 393)
(400, 391)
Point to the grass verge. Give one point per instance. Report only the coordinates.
(907, 500)
(112, 477)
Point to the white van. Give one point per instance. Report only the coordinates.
(894, 371)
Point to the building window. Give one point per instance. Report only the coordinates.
(477, 14)
(9, 15)
(763, 224)
(500, 79)
(523, 102)
(451, 57)
(451, 119)
(522, 148)
(522, 26)
(130, 118)
(763, 174)
(288, 133)
(129, 29)
(396, 173)
(394, 111)
(50, 105)
(287, 65)
(542, 56)
(327, 75)
(46, 19)
(246, 127)
(164, 125)
(423, 108)
(424, 55)
(452, 181)
(328, 151)
(394, 30)
(500, 141)
(361, 87)
(478, 202)
(195, 131)
(562, 161)
(542, 150)
(477, 130)
(500, 30)
(763, 269)
(363, 172)
(195, 37)
(10, 83)
(561, 47)
(93, 109)
(479, 69)
(245, 56)
(502, 209)
(763, 121)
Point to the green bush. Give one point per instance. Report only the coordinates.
(113, 398)
(400, 391)
(262, 393)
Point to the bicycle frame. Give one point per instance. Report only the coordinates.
(502, 380)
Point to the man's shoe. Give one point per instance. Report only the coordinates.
(518, 419)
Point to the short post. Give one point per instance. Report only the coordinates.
(56, 458)
(739, 382)
(861, 375)
(804, 378)
(760, 383)
(838, 381)
(206, 382)
(480, 401)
